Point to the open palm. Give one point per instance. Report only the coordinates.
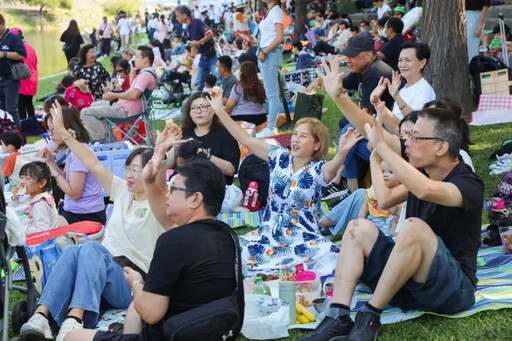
(332, 79)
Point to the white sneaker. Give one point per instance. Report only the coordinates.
(266, 132)
(68, 325)
(36, 328)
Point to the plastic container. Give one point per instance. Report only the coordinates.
(287, 294)
(307, 287)
(113, 156)
(261, 288)
(505, 228)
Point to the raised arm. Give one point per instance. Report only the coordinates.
(255, 146)
(86, 156)
(385, 196)
(348, 140)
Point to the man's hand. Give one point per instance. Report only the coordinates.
(349, 139)
(375, 134)
(394, 86)
(195, 43)
(109, 96)
(378, 91)
(131, 275)
(333, 78)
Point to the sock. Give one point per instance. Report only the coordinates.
(43, 315)
(77, 319)
(368, 308)
(337, 311)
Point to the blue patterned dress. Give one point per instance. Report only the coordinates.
(290, 233)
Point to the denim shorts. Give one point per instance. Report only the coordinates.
(447, 290)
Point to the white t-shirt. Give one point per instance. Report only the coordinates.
(42, 216)
(415, 96)
(381, 11)
(124, 25)
(267, 26)
(343, 37)
(132, 229)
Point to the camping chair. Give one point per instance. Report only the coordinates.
(133, 135)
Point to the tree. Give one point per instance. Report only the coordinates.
(444, 30)
(300, 23)
(43, 4)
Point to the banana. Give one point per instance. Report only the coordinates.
(308, 315)
(302, 319)
(297, 322)
(299, 308)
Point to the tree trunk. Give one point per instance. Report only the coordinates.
(444, 30)
(299, 27)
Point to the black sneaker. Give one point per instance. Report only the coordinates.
(329, 328)
(334, 191)
(366, 327)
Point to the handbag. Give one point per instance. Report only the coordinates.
(218, 320)
(20, 71)
(308, 106)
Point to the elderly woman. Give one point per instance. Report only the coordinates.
(92, 71)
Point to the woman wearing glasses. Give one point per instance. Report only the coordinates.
(201, 124)
(86, 277)
(122, 81)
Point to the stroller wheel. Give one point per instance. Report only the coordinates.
(19, 315)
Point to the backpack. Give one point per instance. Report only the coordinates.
(255, 169)
(481, 64)
(498, 208)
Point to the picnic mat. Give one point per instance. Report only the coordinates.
(239, 219)
(494, 290)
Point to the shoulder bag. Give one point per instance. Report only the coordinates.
(19, 70)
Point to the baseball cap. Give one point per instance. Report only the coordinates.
(399, 9)
(358, 44)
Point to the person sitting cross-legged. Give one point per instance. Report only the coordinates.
(432, 264)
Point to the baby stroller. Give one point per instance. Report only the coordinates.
(22, 309)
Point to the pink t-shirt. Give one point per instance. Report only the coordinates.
(146, 79)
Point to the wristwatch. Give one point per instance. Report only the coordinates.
(5, 54)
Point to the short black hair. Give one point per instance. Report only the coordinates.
(114, 59)
(422, 50)
(226, 62)
(412, 117)
(12, 138)
(382, 21)
(190, 150)
(68, 80)
(205, 177)
(298, 45)
(210, 79)
(147, 52)
(123, 64)
(354, 29)
(447, 127)
(396, 24)
(182, 9)
(366, 22)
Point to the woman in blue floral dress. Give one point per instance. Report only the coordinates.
(290, 233)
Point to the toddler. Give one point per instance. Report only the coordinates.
(209, 82)
(11, 144)
(36, 207)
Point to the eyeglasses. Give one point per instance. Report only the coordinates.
(415, 138)
(176, 188)
(202, 108)
(132, 170)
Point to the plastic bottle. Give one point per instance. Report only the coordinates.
(287, 294)
(261, 288)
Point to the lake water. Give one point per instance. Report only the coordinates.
(50, 57)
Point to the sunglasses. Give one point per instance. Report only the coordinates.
(120, 70)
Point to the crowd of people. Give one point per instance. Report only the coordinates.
(412, 237)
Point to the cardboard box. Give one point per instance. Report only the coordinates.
(495, 82)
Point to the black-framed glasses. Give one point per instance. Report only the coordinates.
(415, 138)
(202, 108)
(176, 188)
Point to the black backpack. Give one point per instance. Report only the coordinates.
(255, 169)
(481, 64)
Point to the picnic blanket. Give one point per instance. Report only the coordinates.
(492, 109)
(494, 290)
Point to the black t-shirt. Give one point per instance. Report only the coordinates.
(391, 51)
(367, 82)
(477, 5)
(459, 228)
(221, 144)
(193, 264)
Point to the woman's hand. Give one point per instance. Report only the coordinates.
(131, 276)
(261, 56)
(170, 137)
(349, 139)
(394, 86)
(332, 80)
(57, 120)
(378, 91)
(216, 101)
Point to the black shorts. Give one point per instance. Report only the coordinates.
(72, 218)
(115, 336)
(447, 290)
(256, 119)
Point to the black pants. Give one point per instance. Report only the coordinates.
(322, 46)
(25, 106)
(105, 46)
(71, 53)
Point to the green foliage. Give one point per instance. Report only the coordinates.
(112, 7)
(43, 4)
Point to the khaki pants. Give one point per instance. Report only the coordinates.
(93, 118)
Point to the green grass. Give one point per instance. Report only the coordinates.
(489, 325)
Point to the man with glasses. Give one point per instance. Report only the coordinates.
(122, 104)
(432, 264)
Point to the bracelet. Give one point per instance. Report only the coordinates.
(263, 52)
(403, 106)
(136, 282)
(71, 133)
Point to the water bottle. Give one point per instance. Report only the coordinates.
(287, 294)
(261, 288)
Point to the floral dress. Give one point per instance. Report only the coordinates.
(290, 233)
(96, 77)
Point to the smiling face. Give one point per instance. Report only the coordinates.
(409, 65)
(90, 57)
(133, 174)
(201, 112)
(303, 143)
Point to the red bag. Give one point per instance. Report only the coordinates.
(89, 228)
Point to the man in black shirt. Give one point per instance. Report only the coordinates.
(432, 266)
(391, 50)
(476, 12)
(193, 264)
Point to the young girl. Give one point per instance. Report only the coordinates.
(37, 204)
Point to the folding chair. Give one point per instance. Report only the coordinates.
(133, 135)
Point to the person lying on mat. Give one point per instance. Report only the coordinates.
(86, 277)
(122, 104)
(432, 264)
(193, 264)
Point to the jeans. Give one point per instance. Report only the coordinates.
(206, 65)
(270, 71)
(85, 277)
(346, 211)
(351, 162)
(9, 91)
(472, 22)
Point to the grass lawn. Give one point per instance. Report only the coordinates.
(491, 325)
